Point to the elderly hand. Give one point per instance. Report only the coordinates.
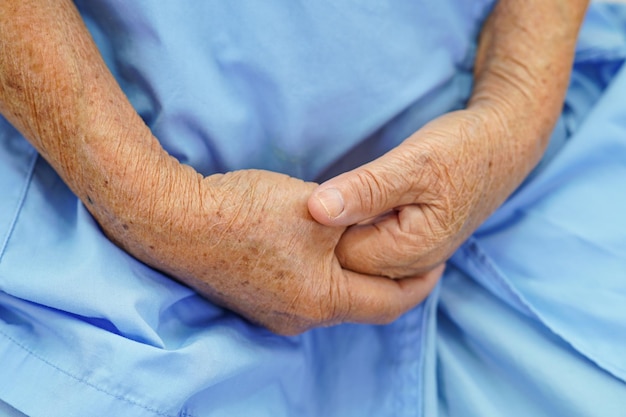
(411, 208)
(246, 241)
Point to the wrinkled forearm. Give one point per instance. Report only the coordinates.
(54, 86)
(56, 89)
(524, 61)
(522, 71)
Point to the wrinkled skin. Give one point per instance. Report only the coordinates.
(408, 210)
(261, 254)
(244, 240)
(411, 208)
(261, 243)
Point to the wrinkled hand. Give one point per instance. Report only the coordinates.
(246, 241)
(411, 208)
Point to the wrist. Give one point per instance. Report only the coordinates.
(522, 108)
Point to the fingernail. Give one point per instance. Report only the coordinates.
(332, 201)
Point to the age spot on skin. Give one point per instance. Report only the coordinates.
(12, 84)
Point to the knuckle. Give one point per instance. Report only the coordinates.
(339, 302)
(370, 189)
(319, 308)
(432, 173)
(332, 303)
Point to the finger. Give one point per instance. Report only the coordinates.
(398, 245)
(378, 300)
(368, 191)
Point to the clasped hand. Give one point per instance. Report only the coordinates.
(407, 211)
(364, 247)
(246, 241)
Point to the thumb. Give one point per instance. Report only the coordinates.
(365, 192)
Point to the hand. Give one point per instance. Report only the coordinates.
(411, 208)
(218, 233)
(246, 241)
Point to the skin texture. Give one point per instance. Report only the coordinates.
(245, 239)
(249, 240)
(410, 209)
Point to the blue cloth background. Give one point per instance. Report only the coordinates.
(530, 318)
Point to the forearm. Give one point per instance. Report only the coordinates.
(414, 206)
(56, 89)
(522, 69)
(525, 53)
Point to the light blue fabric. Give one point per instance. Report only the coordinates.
(532, 313)
(530, 318)
(7, 411)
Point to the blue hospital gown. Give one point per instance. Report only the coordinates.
(529, 319)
